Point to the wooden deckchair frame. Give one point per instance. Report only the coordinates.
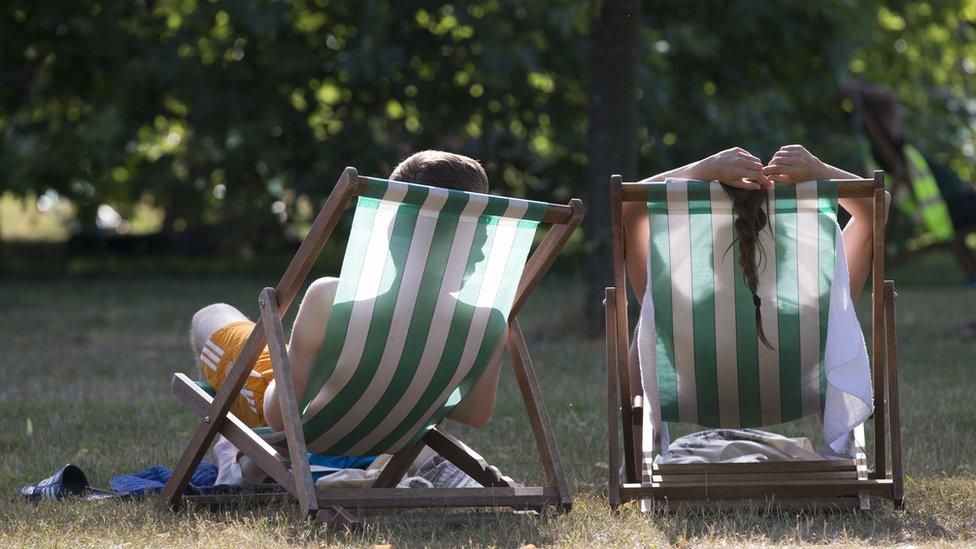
(801, 484)
(330, 505)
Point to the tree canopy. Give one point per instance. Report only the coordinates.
(232, 113)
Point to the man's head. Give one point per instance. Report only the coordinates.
(442, 169)
(448, 171)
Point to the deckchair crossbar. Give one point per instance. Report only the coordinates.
(846, 188)
(554, 213)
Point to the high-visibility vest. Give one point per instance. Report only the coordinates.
(923, 203)
(932, 207)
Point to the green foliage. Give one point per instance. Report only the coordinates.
(749, 73)
(215, 111)
(228, 113)
(926, 51)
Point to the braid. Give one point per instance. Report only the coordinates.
(750, 209)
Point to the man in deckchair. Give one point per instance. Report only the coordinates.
(218, 332)
(746, 180)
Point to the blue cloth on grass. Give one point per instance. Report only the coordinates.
(152, 480)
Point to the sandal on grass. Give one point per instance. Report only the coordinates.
(69, 481)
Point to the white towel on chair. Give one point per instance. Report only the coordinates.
(849, 399)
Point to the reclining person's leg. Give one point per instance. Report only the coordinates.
(217, 334)
(206, 322)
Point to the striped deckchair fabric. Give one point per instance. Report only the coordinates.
(422, 305)
(712, 369)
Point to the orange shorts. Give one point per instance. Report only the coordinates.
(216, 359)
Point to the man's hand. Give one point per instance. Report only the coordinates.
(795, 164)
(734, 167)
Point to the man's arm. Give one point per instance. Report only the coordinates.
(476, 407)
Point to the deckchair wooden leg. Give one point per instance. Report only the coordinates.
(286, 289)
(393, 473)
(877, 320)
(613, 403)
(636, 430)
(466, 459)
(288, 402)
(535, 408)
(894, 419)
(627, 392)
(861, 462)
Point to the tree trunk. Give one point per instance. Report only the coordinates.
(612, 136)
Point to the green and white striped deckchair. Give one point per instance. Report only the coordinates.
(712, 369)
(430, 284)
(426, 286)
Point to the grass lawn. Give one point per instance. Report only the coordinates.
(86, 366)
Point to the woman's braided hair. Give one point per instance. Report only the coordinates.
(750, 208)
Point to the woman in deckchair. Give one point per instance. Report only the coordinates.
(747, 182)
(218, 331)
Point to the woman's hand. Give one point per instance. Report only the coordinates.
(734, 167)
(795, 164)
